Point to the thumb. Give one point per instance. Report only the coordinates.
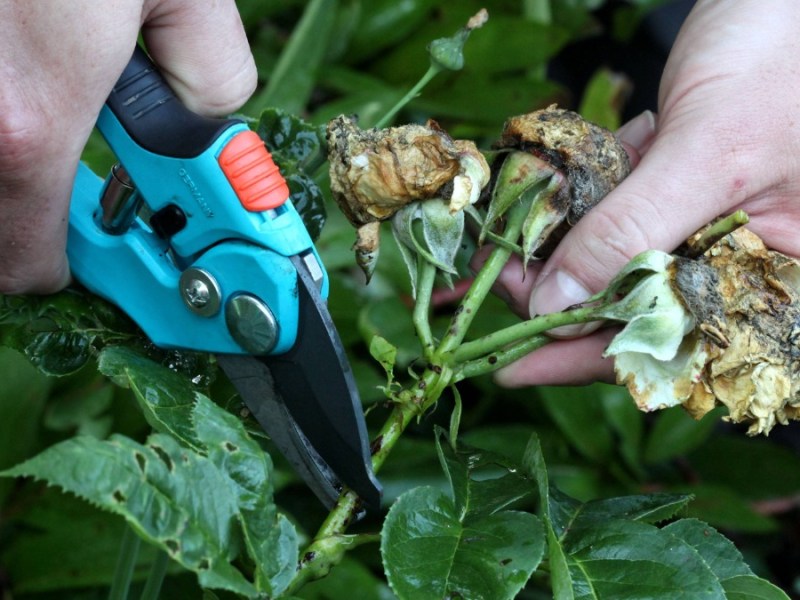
(202, 51)
(667, 197)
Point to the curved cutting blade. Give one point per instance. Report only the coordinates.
(315, 418)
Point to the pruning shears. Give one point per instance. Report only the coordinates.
(194, 236)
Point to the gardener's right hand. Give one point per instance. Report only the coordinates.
(58, 62)
(727, 137)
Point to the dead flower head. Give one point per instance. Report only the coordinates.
(589, 160)
(739, 347)
(376, 172)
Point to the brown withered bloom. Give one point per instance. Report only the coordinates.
(718, 329)
(752, 337)
(376, 172)
(589, 158)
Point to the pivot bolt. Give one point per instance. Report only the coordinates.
(251, 323)
(200, 292)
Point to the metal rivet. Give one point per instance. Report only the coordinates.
(200, 292)
(251, 323)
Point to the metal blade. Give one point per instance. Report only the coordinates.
(254, 382)
(306, 400)
(317, 385)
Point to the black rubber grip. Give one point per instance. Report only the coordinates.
(154, 116)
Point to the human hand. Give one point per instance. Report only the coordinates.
(58, 63)
(727, 137)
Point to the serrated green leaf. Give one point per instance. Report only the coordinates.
(750, 587)
(309, 201)
(631, 559)
(718, 552)
(607, 548)
(53, 352)
(647, 508)
(481, 481)
(153, 486)
(467, 544)
(59, 333)
(296, 145)
(430, 552)
(385, 353)
(290, 139)
(165, 397)
(271, 542)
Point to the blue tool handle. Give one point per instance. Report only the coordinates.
(210, 204)
(155, 118)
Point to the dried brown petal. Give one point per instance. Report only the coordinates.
(753, 318)
(590, 156)
(367, 247)
(375, 172)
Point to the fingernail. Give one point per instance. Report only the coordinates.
(557, 291)
(638, 131)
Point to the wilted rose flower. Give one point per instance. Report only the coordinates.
(588, 159)
(737, 344)
(376, 172)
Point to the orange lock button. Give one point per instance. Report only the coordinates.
(255, 177)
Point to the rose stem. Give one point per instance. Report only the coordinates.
(325, 549)
(483, 282)
(432, 72)
(717, 231)
(426, 274)
(497, 340)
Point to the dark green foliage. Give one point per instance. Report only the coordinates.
(602, 502)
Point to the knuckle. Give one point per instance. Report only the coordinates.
(614, 239)
(23, 134)
(234, 92)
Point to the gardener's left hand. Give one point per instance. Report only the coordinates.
(727, 137)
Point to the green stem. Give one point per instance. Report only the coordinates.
(432, 72)
(329, 544)
(152, 587)
(126, 562)
(327, 547)
(719, 230)
(497, 360)
(483, 282)
(497, 340)
(426, 274)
